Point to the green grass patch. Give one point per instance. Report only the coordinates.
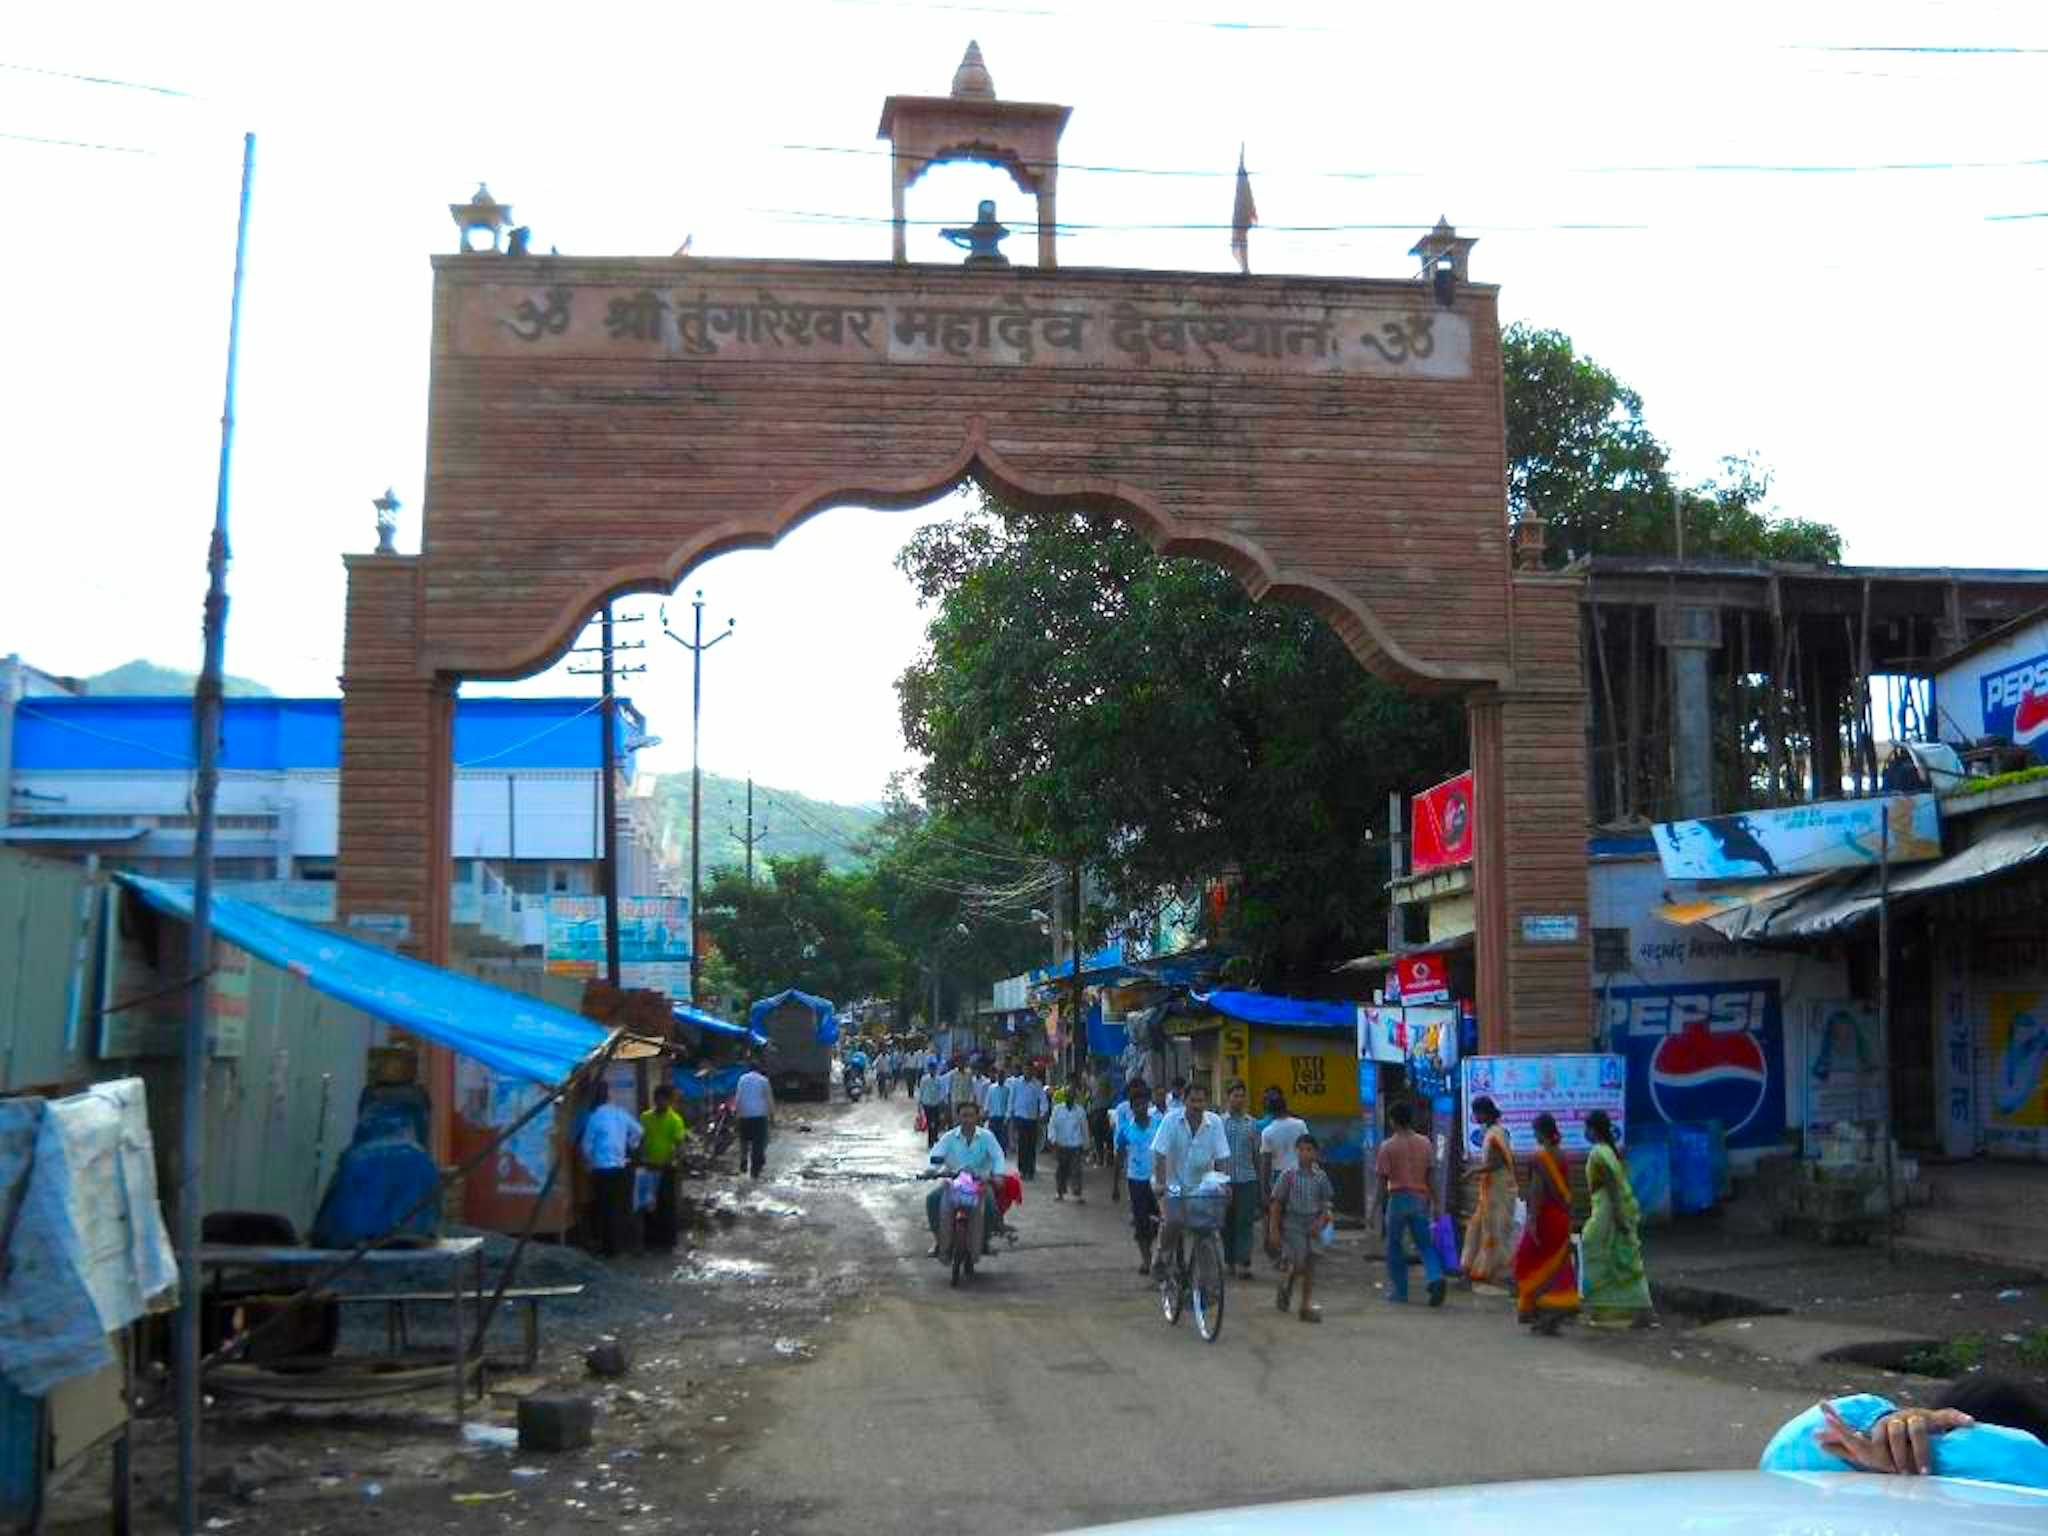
(1960, 1354)
(2033, 1348)
(1984, 786)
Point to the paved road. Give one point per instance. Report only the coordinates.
(1053, 1394)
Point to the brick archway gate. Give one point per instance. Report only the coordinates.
(600, 426)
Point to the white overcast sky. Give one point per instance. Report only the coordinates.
(1805, 262)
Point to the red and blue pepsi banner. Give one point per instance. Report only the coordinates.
(1702, 1051)
(2015, 701)
(1441, 825)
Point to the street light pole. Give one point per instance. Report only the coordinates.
(696, 645)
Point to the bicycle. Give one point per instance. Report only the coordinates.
(1193, 1274)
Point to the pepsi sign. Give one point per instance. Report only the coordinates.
(2016, 703)
(1703, 1051)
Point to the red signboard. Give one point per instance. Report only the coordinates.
(1421, 979)
(1443, 824)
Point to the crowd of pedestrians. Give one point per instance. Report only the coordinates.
(1519, 1238)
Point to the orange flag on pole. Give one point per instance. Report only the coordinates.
(1242, 218)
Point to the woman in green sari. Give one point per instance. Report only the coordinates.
(1616, 1292)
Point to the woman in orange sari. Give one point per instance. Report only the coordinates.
(1546, 1283)
(1488, 1257)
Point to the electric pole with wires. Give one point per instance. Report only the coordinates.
(754, 833)
(609, 672)
(697, 645)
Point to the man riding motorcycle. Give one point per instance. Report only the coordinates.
(969, 1147)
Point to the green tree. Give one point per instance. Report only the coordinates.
(1581, 457)
(1092, 700)
(804, 927)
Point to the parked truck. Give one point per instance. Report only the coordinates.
(801, 1031)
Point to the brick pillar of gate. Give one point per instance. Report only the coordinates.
(397, 735)
(1529, 779)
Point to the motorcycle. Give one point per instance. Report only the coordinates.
(856, 1085)
(961, 1221)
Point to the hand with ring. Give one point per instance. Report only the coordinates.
(1901, 1441)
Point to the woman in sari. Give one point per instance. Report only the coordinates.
(1617, 1291)
(1488, 1257)
(1546, 1283)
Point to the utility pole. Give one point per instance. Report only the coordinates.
(1884, 1014)
(1076, 1035)
(755, 833)
(206, 714)
(609, 672)
(697, 645)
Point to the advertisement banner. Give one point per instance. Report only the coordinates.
(1844, 1078)
(1569, 1087)
(1319, 1077)
(1800, 839)
(2016, 703)
(1703, 1050)
(2019, 1059)
(1441, 819)
(1432, 1051)
(1420, 979)
(1382, 1035)
(654, 941)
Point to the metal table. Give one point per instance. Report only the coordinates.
(217, 1258)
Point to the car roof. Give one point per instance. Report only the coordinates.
(1669, 1503)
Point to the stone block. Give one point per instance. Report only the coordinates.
(556, 1423)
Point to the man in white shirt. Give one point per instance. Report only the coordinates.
(1189, 1147)
(967, 1148)
(753, 1107)
(1277, 1142)
(962, 1087)
(609, 1138)
(1028, 1105)
(1067, 1133)
(931, 1103)
(995, 1109)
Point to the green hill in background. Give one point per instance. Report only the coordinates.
(795, 824)
(139, 677)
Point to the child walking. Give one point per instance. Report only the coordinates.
(1302, 1200)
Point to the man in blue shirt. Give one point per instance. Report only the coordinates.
(967, 1148)
(1136, 1125)
(995, 1109)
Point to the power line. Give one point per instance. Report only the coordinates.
(126, 85)
(111, 149)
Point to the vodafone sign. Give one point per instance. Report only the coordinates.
(1422, 979)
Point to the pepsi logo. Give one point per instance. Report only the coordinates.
(1700, 1073)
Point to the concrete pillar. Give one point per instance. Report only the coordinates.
(1691, 636)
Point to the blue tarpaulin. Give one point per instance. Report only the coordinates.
(712, 1024)
(509, 1033)
(1282, 1012)
(828, 1021)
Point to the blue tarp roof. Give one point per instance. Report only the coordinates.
(509, 1033)
(828, 1021)
(1282, 1012)
(711, 1023)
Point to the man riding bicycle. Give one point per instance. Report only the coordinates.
(1189, 1147)
(969, 1147)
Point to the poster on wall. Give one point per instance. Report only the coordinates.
(1702, 1050)
(1844, 1077)
(1568, 1087)
(2019, 1060)
(654, 941)
(1433, 1052)
(1441, 818)
(1800, 839)
(2015, 700)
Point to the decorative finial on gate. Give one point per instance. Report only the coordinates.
(971, 80)
(482, 214)
(387, 521)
